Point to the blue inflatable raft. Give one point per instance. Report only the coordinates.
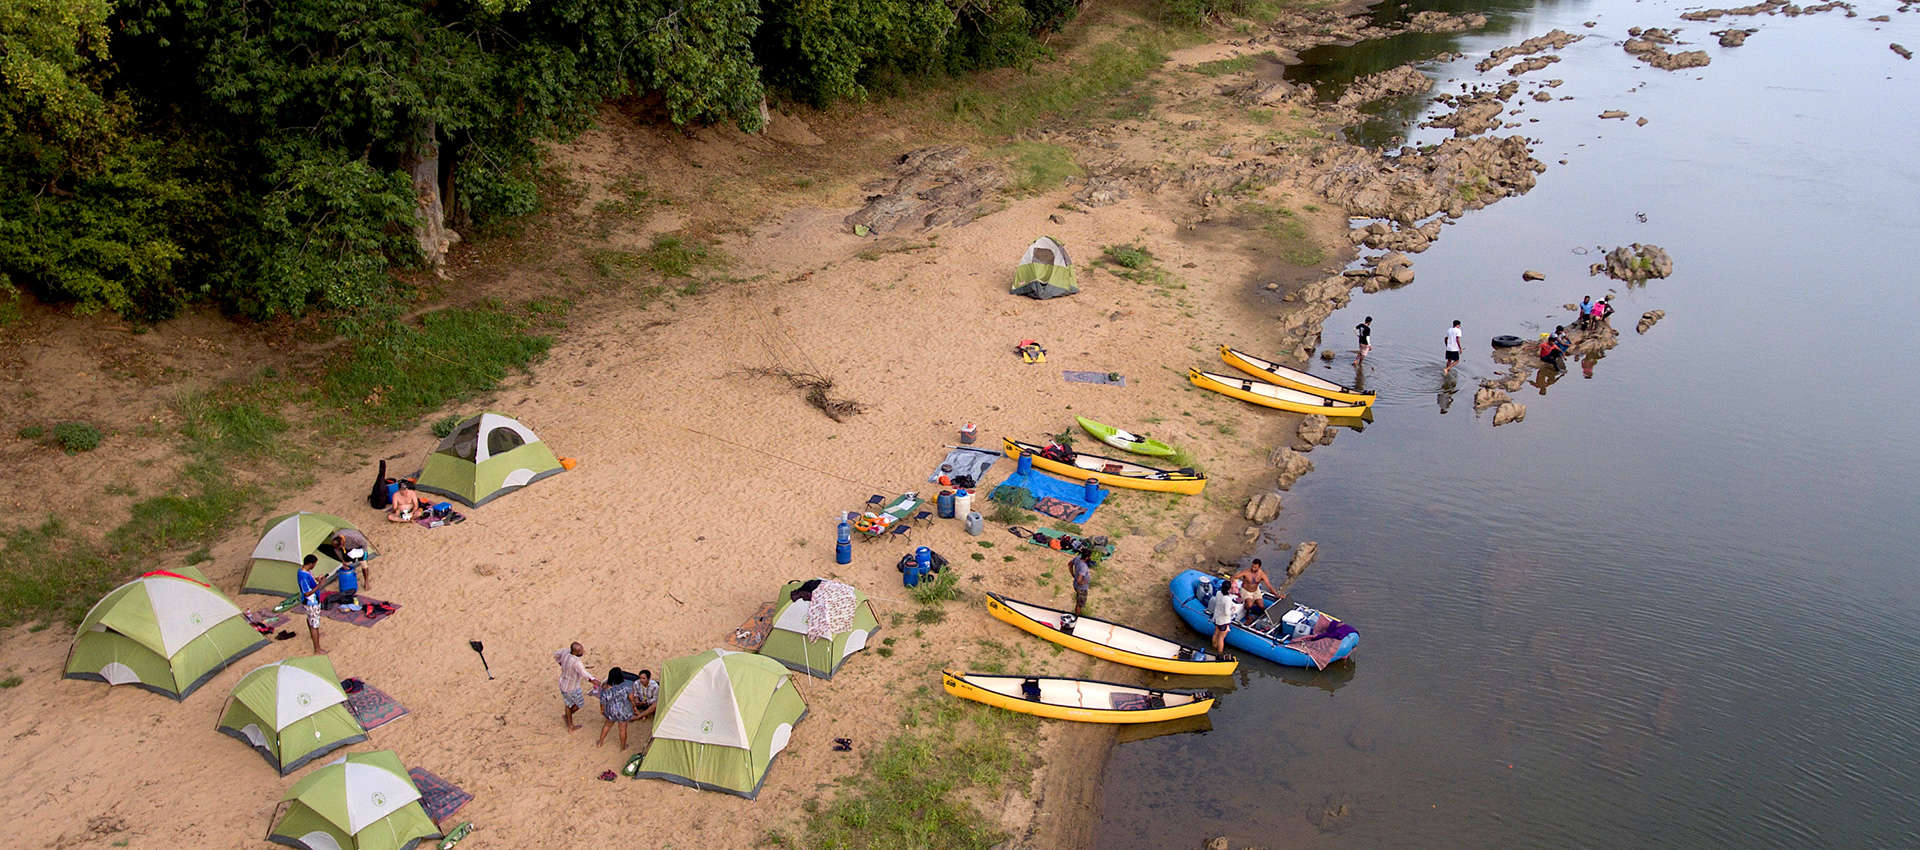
(1268, 637)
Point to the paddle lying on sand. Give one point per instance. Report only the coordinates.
(482, 650)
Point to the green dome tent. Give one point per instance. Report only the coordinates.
(168, 631)
(292, 711)
(288, 540)
(722, 718)
(1044, 271)
(815, 637)
(487, 456)
(364, 801)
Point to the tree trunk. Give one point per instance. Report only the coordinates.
(431, 230)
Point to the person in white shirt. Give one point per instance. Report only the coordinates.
(1453, 347)
(1225, 610)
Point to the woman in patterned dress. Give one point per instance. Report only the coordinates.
(618, 703)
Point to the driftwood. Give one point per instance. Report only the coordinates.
(816, 386)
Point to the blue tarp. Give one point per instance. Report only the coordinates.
(1044, 486)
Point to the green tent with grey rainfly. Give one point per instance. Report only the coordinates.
(292, 711)
(288, 540)
(814, 634)
(486, 456)
(721, 719)
(1045, 271)
(168, 631)
(363, 801)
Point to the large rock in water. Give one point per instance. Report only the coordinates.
(1292, 465)
(1312, 430)
(1303, 556)
(1511, 411)
(1488, 397)
(1636, 262)
(1263, 507)
(1648, 319)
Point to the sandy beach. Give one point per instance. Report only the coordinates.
(701, 488)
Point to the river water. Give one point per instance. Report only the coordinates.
(1676, 606)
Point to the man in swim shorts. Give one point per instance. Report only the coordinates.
(1453, 347)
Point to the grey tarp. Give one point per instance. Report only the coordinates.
(967, 461)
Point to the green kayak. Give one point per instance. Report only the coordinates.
(1124, 441)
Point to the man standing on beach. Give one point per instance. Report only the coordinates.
(1453, 348)
(1082, 571)
(1365, 332)
(310, 599)
(573, 680)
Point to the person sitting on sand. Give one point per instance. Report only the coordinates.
(646, 692)
(408, 505)
(618, 704)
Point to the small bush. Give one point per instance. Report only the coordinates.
(979, 556)
(929, 616)
(445, 425)
(944, 586)
(1131, 256)
(31, 432)
(10, 682)
(76, 437)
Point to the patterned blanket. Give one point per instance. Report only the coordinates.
(439, 797)
(831, 613)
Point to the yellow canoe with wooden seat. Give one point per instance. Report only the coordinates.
(1273, 395)
(1119, 473)
(1110, 641)
(1287, 376)
(1085, 700)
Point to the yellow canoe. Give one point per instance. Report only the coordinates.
(1084, 700)
(1119, 473)
(1287, 376)
(1110, 641)
(1273, 395)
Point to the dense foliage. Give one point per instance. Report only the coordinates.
(274, 158)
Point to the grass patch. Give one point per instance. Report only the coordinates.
(1137, 263)
(1038, 166)
(1289, 234)
(397, 372)
(913, 789)
(929, 616)
(230, 421)
(76, 437)
(1234, 65)
(10, 682)
(1103, 72)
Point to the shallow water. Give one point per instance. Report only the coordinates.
(1676, 605)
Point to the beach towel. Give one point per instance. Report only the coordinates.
(1039, 486)
(963, 461)
(372, 707)
(1111, 378)
(1057, 509)
(752, 633)
(831, 613)
(366, 616)
(439, 797)
(1329, 627)
(1320, 649)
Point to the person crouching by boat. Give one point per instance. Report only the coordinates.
(1225, 608)
(1081, 568)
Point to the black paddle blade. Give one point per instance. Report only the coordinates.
(477, 646)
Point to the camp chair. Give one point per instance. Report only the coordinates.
(873, 502)
(922, 516)
(900, 530)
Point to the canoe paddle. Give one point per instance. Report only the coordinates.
(482, 650)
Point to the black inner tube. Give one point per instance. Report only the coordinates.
(1507, 341)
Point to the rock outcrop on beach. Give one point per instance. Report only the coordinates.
(931, 186)
(1458, 175)
(1649, 46)
(1262, 507)
(1431, 21)
(1635, 263)
(1292, 465)
(1303, 556)
(1470, 116)
(1509, 412)
(1383, 234)
(1553, 40)
(1312, 432)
